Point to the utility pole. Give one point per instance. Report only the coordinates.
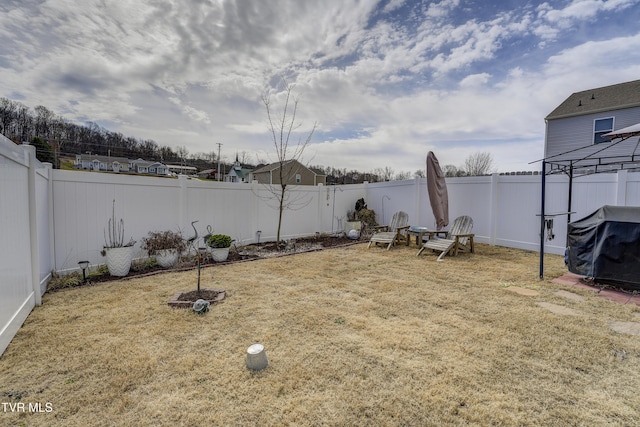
(219, 145)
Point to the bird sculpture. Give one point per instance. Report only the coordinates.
(192, 240)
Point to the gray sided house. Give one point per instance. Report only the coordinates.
(295, 173)
(101, 163)
(575, 129)
(152, 168)
(94, 162)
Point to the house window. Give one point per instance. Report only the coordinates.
(298, 178)
(601, 127)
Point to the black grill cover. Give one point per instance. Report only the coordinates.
(606, 246)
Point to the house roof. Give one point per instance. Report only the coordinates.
(241, 172)
(106, 159)
(275, 165)
(141, 162)
(615, 97)
(191, 168)
(269, 167)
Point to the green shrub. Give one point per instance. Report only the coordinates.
(219, 241)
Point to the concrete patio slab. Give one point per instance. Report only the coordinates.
(570, 296)
(558, 309)
(632, 328)
(523, 291)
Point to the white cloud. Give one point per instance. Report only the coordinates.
(552, 21)
(393, 5)
(475, 80)
(383, 89)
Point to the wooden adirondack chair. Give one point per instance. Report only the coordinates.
(458, 238)
(392, 233)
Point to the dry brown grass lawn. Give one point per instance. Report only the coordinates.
(354, 336)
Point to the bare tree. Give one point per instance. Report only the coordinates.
(403, 176)
(452, 170)
(282, 127)
(210, 157)
(243, 157)
(419, 173)
(387, 174)
(480, 163)
(182, 153)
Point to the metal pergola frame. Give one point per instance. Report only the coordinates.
(574, 165)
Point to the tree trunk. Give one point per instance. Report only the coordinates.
(281, 208)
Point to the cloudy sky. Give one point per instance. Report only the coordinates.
(386, 81)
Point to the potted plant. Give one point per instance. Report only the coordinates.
(219, 244)
(118, 252)
(166, 246)
(354, 222)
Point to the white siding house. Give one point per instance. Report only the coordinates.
(238, 173)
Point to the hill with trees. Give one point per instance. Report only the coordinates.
(55, 137)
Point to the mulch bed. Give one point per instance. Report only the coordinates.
(236, 254)
(186, 299)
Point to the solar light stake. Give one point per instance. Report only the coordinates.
(84, 265)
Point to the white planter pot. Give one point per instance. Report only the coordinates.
(219, 254)
(167, 257)
(352, 229)
(119, 260)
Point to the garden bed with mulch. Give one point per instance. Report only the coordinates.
(148, 267)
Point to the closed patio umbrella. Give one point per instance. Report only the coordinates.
(437, 188)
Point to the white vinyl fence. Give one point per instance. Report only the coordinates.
(504, 208)
(25, 221)
(247, 212)
(52, 219)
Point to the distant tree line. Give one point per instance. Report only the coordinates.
(50, 131)
(476, 164)
(54, 136)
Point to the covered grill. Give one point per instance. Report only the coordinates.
(606, 246)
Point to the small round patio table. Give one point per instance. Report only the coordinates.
(420, 232)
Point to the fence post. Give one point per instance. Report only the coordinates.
(30, 151)
(319, 213)
(52, 234)
(621, 188)
(183, 214)
(416, 198)
(493, 209)
(255, 212)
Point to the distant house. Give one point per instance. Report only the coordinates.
(94, 162)
(182, 170)
(238, 173)
(146, 167)
(207, 174)
(575, 129)
(295, 173)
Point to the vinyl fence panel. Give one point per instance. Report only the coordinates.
(17, 293)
